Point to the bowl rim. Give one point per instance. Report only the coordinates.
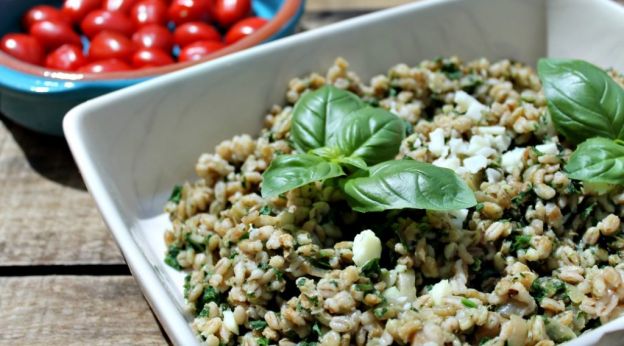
(287, 12)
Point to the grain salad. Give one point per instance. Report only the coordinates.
(536, 261)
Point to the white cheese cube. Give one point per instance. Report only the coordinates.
(548, 148)
(436, 143)
(366, 246)
(512, 159)
(491, 130)
(475, 163)
(439, 291)
(458, 217)
(450, 163)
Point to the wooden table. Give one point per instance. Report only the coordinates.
(62, 277)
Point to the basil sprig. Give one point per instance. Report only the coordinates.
(339, 137)
(598, 160)
(587, 107)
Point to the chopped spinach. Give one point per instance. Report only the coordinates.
(371, 268)
(468, 303)
(170, 257)
(258, 325)
(176, 194)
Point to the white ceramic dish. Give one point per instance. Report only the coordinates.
(133, 145)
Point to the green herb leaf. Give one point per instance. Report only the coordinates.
(521, 242)
(597, 160)
(265, 210)
(320, 262)
(380, 312)
(364, 287)
(317, 330)
(170, 257)
(176, 194)
(317, 115)
(372, 134)
(468, 303)
(371, 268)
(263, 341)
(258, 325)
(583, 100)
(288, 172)
(546, 287)
(353, 161)
(408, 184)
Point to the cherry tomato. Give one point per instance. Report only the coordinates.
(153, 36)
(151, 57)
(41, 13)
(244, 28)
(228, 12)
(183, 11)
(149, 12)
(53, 34)
(188, 33)
(67, 58)
(23, 47)
(199, 50)
(122, 6)
(101, 20)
(76, 10)
(110, 45)
(103, 66)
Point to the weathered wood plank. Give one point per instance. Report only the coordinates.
(75, 310)
(46, 214)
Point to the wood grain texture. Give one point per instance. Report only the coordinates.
(75, 310)
(46, 214)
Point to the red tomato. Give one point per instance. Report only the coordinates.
(188, 33)
(122, 6)
(149, 12)
(153, 36)
(67, 58)
(151, 57)
(53, 34)
(199, 50)
(23, 47)
(103, 66)
(228, 12)
(41, 13)
(110, 45)
(244, 28)
(183, 11)
(101, 20)
(76, 10)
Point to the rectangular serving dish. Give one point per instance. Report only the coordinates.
(132, 146)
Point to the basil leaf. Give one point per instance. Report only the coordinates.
(352, 161)
(372, 134)
(408, 184)
(583, 100)
(597, 160)
(287, 172)
(317, 115)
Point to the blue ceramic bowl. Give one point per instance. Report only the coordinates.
(38, 98)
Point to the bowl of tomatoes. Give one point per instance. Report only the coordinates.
(57, 54)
